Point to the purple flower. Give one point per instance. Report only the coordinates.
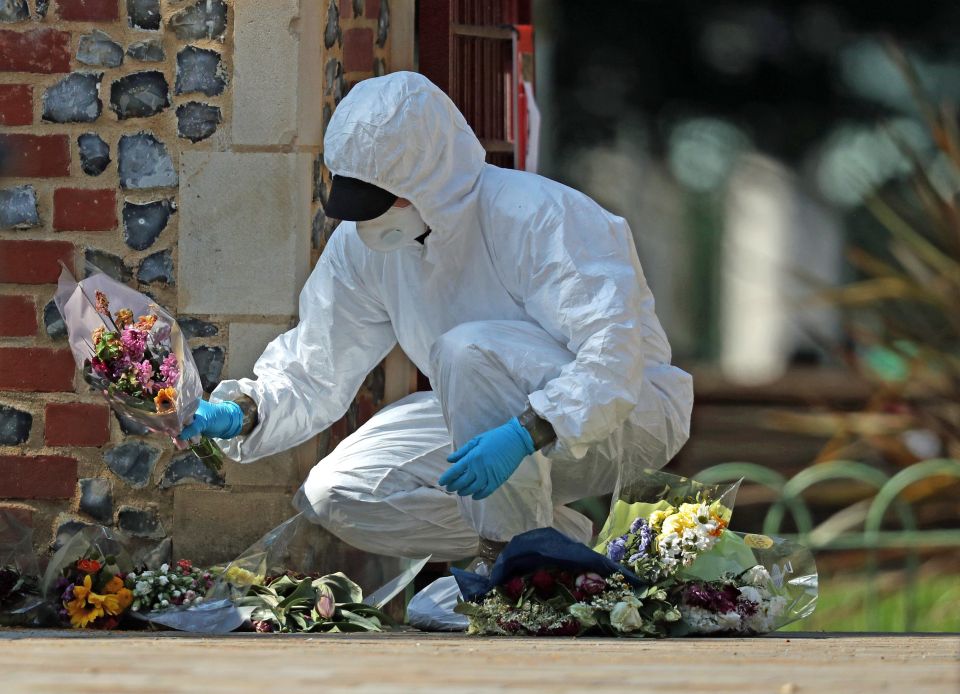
(134, 343)
(644, 535)
(169, 370)
(617, 548)
(716, 599)
(145, 375)
(746, 608)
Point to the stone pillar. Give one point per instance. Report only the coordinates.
(178, 147)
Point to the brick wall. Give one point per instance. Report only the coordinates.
(154, 139)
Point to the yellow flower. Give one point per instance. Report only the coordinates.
(81, 609)
(165, 400)
(81, 614)
(657, 517)
(677, 523)
(242, 577)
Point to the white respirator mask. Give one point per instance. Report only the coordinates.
(395, 228)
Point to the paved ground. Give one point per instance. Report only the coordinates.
(75, 663)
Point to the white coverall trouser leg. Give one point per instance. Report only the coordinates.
(378, 489)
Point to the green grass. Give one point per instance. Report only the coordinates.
(846, 603)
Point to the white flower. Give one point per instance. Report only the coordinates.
(757, 576)
(583, 613)
(141, 588)
(164, 603)
(625, 617)
(163, 580)
(752, 594)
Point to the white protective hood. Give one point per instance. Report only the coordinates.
(403, 134)
(504, 245)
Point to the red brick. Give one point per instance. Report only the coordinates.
(35, 156)
(358, 50)
(34, 262)
(40, 50)
(18, 316)
(80, 209)
(372, 9)
(88, 10)
(37, 477)
(36, 369)
(77, 424)
(16, 104)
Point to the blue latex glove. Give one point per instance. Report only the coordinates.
(221, 420)
(487, 461)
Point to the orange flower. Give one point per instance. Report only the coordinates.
(721, 526)
(165, 400)
(123, 318)
(145, 322)
(113, 585)
(88, 566)
(103, 304)
(124, 598)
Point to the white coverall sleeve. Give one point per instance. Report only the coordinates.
(580, 278)
(307, 377)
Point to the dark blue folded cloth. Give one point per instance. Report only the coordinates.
(539, 549)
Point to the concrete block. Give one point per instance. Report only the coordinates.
(277, 471)
(246, 344)
(213, 526)
(266, 60)
(244, 232)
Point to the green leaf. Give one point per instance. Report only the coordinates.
(354, 618)
(303, 590)
(344, 590)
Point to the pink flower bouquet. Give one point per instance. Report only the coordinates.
(134, 353)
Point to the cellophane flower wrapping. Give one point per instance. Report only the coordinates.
(295, 556)
(748, 583)
(20, 601)
(77, 303)
(84, 580)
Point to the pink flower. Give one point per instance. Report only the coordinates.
(591, 583)
(134, 343)
(169, 370)
(326, 606)
(145, 375)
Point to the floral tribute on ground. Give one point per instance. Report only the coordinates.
(666, 565)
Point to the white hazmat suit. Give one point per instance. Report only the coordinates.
(525, 292)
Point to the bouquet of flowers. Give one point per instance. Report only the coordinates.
(666, 565)
(181, 585)
(293, 602)
(134, 354)
(85, 580)
(20, 602)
